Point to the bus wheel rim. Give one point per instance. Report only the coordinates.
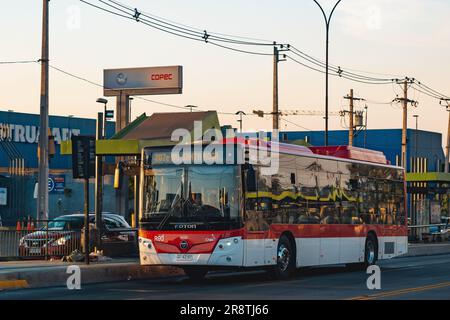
(283, 258)
(370, 252)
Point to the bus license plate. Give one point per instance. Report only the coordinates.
(185, 258)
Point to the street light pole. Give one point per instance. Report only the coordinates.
(240, 114)
(327, 25)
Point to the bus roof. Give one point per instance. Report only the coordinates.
(342, 152)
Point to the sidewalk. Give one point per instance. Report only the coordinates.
(428, 249)
(33, 274)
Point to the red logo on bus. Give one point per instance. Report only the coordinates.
(162, 76)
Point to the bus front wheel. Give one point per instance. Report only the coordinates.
(196, 273)
(285, 266)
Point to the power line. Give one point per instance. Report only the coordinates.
(192, 29)
(336, 75)
(19, 62)
(125, 11)
(176, 30)
(295, 124)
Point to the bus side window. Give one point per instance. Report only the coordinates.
(250, 189)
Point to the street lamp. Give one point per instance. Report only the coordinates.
(327, 24)
(104, 102)
(240, 114)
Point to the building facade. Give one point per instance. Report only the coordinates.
(19, 133)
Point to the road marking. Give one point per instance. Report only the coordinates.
(402, 291)
(13, 284)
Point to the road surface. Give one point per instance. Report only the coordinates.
(402, 278)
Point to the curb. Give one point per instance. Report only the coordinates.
(57, 276)
(13, 284)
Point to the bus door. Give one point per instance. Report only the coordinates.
(257, 205)
(330, 233)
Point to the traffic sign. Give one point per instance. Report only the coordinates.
(109, 114)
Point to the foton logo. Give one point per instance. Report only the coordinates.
(163, 76)
(185, 226)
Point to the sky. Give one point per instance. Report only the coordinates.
(395, 37)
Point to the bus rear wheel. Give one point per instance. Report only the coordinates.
(370, 254)
(195, 274)
(285, 266)
(371, 250)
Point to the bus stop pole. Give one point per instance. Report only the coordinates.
(99, 185)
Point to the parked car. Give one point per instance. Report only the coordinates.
(63, 236)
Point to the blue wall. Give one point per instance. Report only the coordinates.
(21, 202)
(25, 138)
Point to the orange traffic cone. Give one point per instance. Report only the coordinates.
(18, 226)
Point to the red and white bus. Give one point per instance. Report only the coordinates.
(324, 206)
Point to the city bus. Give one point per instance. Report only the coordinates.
(323, 206)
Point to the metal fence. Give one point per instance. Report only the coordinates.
(33, 239)
(59, 238)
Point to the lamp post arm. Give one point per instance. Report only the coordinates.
(323, 12)
(332, 11)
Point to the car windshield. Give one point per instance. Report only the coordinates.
(204, 196)
(56, 225)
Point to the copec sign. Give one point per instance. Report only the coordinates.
(143, 81)
(30, 134)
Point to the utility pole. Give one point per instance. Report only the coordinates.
(42, 199)
(351, 125)
(405, 102)
(351, 114)
(405, 123)
(276, 60)
(447, 147)
(275, 123)
(366, 108)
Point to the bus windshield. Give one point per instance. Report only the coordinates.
(195, 197)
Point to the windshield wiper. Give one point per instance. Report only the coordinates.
(179, 195)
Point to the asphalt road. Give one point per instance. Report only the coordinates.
(401, 278)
